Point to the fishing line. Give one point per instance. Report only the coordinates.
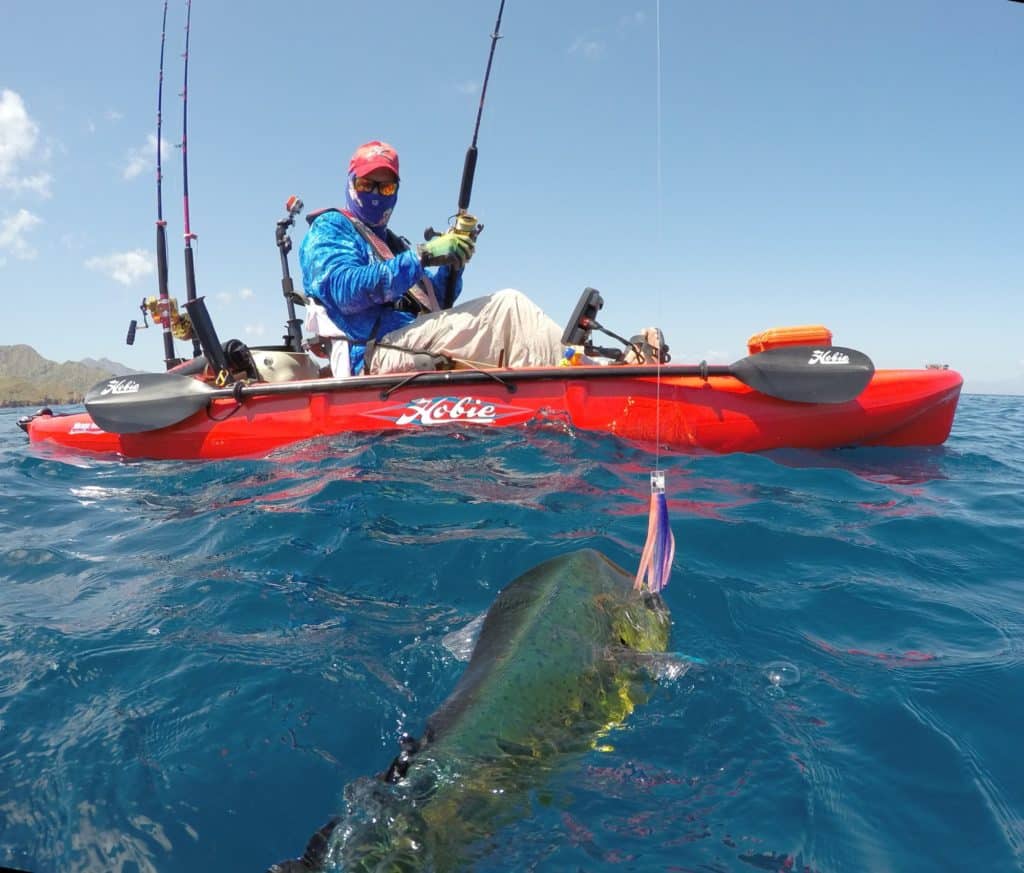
(658, 215)
(657, 111)
(190, 266)
(659, 549)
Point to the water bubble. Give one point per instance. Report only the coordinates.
(780, 674)
(153, 631)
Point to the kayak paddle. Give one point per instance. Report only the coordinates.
(801, 374)
(145, 401)
(806, 374)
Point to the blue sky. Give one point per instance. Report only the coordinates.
(854, 164)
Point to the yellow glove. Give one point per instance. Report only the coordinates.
(447, 248)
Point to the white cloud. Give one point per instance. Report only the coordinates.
(38, 183)
(468, 87)
(12, 234)
(18, 133)
(123, 267)
(114, 115)
(229, 297)
(591, 49)
(19, 138)
(73, 241)
(143, 158)
(255, 330)
(635, 19)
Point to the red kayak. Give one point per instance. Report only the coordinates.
(795, 390)
(763, 402)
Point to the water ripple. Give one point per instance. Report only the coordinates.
(195, 658)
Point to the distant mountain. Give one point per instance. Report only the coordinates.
(105, 364)
(29, 379)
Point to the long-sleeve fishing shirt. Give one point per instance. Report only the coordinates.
(357, 288)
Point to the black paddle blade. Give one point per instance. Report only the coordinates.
(807, 374)
(145, 401)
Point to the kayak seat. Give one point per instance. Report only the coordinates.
(239, 358)
(283, 365)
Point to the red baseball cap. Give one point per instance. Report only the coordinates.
(372, 156)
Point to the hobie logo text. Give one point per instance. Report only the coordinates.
(440, 410)
(824, 356)
(121, 386)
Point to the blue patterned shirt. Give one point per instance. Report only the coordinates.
(356, 287)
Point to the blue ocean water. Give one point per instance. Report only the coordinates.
(195, 658)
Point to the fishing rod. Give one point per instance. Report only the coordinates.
(162, 307)
(170, 358)
(190, 266)
(466, 224)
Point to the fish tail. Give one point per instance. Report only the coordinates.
(660, 548)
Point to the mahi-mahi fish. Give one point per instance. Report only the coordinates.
(556, 666)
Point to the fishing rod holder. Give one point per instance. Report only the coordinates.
(293, 336)
(293, 206)
(206, 337)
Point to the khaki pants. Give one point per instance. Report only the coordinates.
(505, 326)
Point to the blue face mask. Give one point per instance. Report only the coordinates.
(372, 208)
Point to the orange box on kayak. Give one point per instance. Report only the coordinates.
(800, 335)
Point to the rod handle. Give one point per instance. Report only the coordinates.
(468, 171)
(161, 257)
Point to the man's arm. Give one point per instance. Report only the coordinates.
(337, 265)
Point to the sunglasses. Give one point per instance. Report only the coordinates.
(365, 186)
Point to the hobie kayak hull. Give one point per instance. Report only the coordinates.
(681, 412)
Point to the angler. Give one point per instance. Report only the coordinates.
(387, 307)
(362, 276)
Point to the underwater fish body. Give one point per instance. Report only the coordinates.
(555, 667)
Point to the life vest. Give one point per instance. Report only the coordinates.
(422, 292)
